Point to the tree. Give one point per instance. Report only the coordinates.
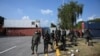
(79, 25)
(69, 13)
(1, 21)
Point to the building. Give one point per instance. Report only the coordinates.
(52, 29)
(21, 27)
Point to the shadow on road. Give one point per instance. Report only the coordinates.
(48, 52)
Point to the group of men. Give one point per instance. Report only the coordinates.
(53, 38)
(49, 39)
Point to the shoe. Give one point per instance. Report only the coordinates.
(52, 48)
(32, 53)
(35, 52)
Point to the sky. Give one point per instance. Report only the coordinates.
(45, 10)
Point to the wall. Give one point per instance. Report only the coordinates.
(21, 23)
(21, 31)
(52, 28)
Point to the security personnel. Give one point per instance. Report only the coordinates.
(88, 37)
(52, 39)
(47, 41)
(52, 36)
(63, 39)
(35, 42)
(57, 36)
(39, 34)
(73, 37)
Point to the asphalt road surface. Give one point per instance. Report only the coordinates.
(19, 46)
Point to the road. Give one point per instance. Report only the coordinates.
(19, 46)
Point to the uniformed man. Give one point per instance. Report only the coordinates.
(52, 36)
(73, 37)
(35, 42)
(88, 37)
(39, 34)
(63, 39)
(57, 36)
(46, 41)
(52, 39)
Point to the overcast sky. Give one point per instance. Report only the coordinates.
(44, 10)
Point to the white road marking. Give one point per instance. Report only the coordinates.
(7, 49)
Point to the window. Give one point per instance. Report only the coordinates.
(33, 23)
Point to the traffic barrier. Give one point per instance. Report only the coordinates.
(58, 52)
(46, 54)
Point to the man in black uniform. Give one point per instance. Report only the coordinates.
(73, 37)
(63, 39)
(39, 34)
(46, 41)
(52, 36)
(57, 36)
(52, 39)
(88, 37)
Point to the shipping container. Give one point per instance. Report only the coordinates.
(94, 27)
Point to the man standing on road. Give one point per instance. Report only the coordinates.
(39, 34)
(35, 42)
(57, 36)
(52, 39)
(46, 42)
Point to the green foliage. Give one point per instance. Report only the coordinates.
(68, 14)
(79, 25)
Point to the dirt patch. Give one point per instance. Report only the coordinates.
(84, 49)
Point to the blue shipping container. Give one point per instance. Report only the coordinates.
(95, 28)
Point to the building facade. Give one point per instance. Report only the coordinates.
(21, 27)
